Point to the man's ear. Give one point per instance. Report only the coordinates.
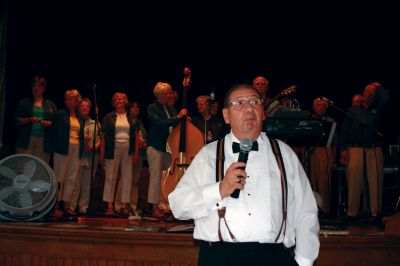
(225, 115)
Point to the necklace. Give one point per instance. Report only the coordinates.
(121, 115)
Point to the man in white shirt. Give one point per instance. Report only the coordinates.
(250, 229)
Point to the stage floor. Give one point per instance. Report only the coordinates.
(103, 241)
(132, 224)
(152, 225)
(122, 241)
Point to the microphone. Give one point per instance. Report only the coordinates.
(245, 147)
(212, 97)
(327, 100)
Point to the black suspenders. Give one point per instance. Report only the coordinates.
(220, 160)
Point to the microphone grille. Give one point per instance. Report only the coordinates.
(245, 145)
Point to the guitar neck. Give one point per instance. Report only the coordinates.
(285, 92)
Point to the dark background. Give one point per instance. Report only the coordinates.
(330, 50)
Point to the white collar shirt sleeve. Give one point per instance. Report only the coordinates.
(256, 216)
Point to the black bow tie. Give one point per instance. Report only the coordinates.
(236, 147)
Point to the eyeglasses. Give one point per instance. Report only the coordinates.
(238, 104)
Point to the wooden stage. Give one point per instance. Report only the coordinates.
(117, 241)
(123, 242)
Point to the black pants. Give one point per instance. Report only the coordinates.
(255, 254)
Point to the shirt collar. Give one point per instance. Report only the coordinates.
(232, 138)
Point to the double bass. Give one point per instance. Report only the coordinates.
(184, 142)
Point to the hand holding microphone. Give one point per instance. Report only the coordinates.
(234, 180)
(235, 176)
(245, 147)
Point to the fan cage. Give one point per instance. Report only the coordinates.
(35, 197)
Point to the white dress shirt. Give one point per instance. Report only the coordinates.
(256, 215)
